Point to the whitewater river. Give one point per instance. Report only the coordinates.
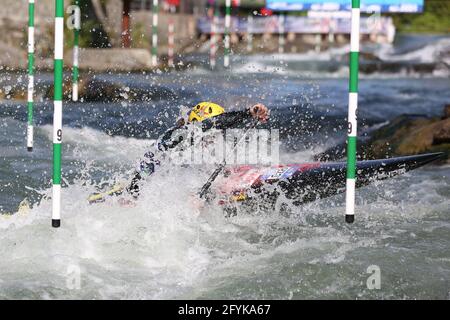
(165, 248)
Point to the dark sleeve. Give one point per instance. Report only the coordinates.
(133, 188)
(229, 120)
(170, 139)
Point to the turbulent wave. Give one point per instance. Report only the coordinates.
(170, 246)
(167, 246)
(437, 51)
(428, 59)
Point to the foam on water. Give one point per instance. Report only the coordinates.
(168, 246)
(88, 143)
(432, 52)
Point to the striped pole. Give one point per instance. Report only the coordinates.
(212, 52)
(226, 58)
(171, 40)
(30, 74)
(155, 10)
(281, 33)
(352, 111)
(76, 36)
(249, 33)
(318, 42)
(57, 114)
(332, 25)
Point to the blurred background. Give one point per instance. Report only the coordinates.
(135, 79)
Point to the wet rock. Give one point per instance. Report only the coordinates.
(67, 89)
(404, 135)
(446, 112)
(397, 67)
(17, 92)
(98, 90)
(442, 134)
(368, 56)
(419, 137)
(395, 137)
(95, 89)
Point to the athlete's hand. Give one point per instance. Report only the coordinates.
(260, 112)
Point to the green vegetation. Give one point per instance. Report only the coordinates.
(434, 19)
(138, 36)
(92, 33)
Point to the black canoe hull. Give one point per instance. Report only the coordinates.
(302, 183)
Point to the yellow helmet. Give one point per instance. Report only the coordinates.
(205, 110)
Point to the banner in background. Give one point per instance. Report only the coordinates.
(405, 6)
(302, 25)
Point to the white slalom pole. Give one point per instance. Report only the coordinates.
(171, 39)
(332, 26)
(212, 52)
(249, 33)
(281, 33)
(318, 42)
(30, 75)
(226, 58)
(155, 34)
(57, 113)
(76, 35)
(352, 111)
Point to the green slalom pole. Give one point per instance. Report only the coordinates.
(57, 114)
(212, 49)
(76, 37)
(226, 58)
(249, 33)
(155, 10)
(171, 37)
(30, 74)
(352, 112)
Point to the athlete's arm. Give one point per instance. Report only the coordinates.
(170, 140)
(233, 119)
(147, 165)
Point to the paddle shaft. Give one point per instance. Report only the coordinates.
(216, 172)
(211, 179)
